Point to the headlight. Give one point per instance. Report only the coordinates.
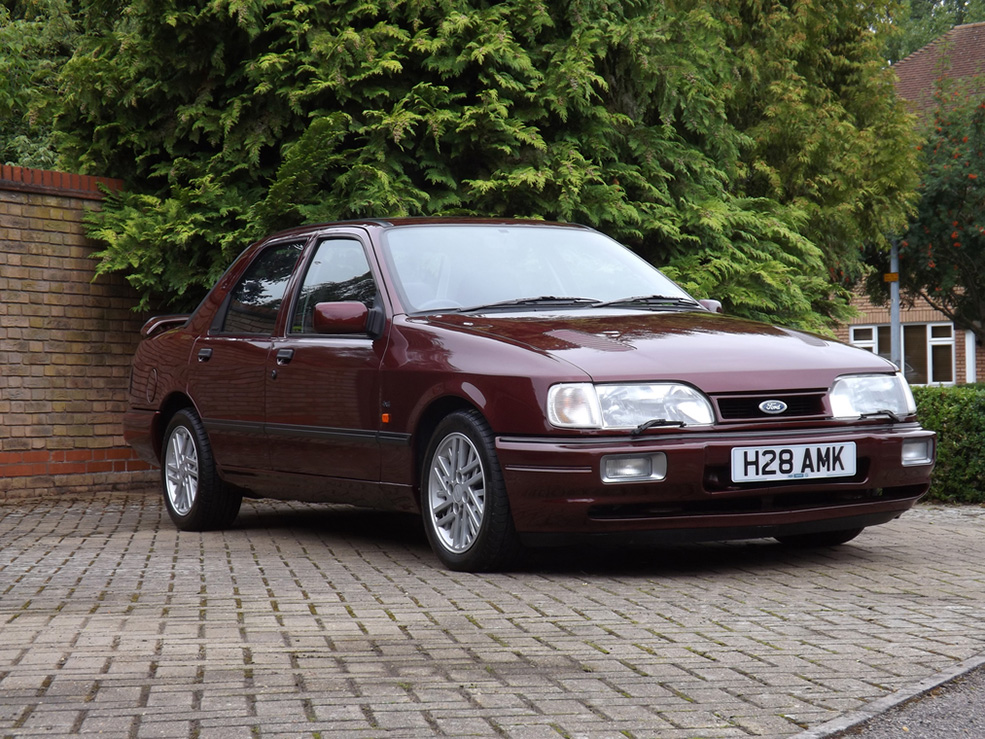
(853, 396)
(586, 406)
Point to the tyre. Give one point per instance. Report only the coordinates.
(820, 538)
(466, 511)
(196, 498)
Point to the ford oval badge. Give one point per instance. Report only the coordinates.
(773, 407)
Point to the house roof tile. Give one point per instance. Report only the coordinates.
(957, 55)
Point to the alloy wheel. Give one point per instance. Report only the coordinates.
(181, 470)
(457, 492)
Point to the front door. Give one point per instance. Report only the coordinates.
(322, 394)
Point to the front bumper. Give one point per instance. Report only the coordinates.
(555, 486)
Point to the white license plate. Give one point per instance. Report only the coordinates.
(794, 462)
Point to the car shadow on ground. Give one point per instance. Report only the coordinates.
(388, 530)
(682, 560)
(350, 522)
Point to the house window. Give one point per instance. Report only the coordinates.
(928, 349)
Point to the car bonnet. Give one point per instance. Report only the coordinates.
(713, 352)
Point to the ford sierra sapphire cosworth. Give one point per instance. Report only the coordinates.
(518, 384)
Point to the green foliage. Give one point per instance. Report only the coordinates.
(829, 139)
(35, 38)
(919, 22)
(942, 254)
(683, 129)
(770, 271)
(957, 414)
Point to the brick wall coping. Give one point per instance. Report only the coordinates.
(82, 186)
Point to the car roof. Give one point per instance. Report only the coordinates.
(387, 223)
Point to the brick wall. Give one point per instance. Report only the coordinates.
(65, 343)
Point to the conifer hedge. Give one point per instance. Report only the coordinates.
(748, 148)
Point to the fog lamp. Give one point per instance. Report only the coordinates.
(917, 452)
(634, 467)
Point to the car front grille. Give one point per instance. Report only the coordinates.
(749, 407)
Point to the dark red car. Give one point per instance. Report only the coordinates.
(518, 383)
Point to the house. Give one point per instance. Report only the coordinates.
(934, 351)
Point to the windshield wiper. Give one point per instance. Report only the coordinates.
(655, 422)
(877, 414)
(654, 300)
(548, 300)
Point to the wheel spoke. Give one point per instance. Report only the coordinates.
(443, 470)
(456, 533)
(443, 512)
(461, 456)
(474, 509)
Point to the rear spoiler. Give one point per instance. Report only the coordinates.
(163, 323)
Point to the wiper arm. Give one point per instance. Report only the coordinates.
(654, 422)
(876, 414)
(541, 300)
(673, 300)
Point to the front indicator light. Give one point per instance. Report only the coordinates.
(917, 452)
(634, 467)
(574, 405)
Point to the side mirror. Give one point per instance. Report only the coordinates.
(715, 306)
(340, 318)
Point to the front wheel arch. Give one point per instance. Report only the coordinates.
(464, 504)
(433, 415)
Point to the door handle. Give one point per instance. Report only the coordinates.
(204, 354)
(284, 356)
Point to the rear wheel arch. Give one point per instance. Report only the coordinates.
(171, 405)
(195, 496)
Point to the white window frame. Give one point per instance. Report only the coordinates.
(871, 343)
(943, 341)
(971, 358)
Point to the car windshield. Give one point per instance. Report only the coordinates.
(479, 266)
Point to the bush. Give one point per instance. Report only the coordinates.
(957, 414)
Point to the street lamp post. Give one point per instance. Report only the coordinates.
(895, 332)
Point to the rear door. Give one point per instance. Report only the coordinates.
(227, 378)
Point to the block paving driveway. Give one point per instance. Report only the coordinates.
(331, 622)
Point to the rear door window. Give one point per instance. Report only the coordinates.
(256, 299)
